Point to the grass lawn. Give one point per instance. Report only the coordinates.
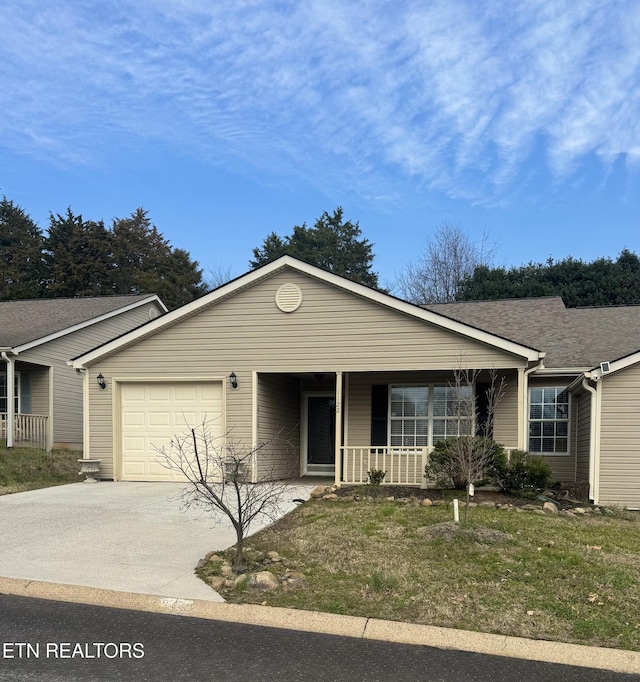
(523, 574)
(28, 468)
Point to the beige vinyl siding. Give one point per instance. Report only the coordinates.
(563, 467)
(505, 427)
(66, 410)
(333, 330)
(278, 426)
(620, 439)
(40, 391)
(582, 407)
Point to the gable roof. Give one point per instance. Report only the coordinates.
(30, 323)
(284, 262)
(571, 337)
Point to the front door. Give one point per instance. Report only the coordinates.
(320, 439)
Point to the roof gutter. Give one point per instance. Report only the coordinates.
(10, 397)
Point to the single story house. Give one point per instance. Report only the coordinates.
(37, 338)
(326, 376)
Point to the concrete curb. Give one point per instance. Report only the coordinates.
(616, 660)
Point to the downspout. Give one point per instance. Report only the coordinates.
(593, 433)
(10, 397)
(524, 392)
(85, 412)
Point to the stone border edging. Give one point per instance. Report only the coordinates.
(616, 660)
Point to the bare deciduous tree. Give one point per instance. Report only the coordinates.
(468, 458)
(449, 256)
(219, 474)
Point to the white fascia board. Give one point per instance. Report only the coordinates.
(359, 289)
(88, 323)
(616, 366)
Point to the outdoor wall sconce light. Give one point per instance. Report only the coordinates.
(101, 381)
(233, 379)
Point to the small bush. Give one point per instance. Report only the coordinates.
(447, 467)
(376, 476)
(524, 473)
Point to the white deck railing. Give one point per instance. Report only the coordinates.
(28, 429)
(404, 466)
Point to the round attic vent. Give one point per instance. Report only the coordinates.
(288, 297)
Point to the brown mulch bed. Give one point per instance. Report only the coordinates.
(439, 495)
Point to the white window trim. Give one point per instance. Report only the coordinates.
(568, 421)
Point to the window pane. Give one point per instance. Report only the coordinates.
(562, 428)
(439, 427)
(536, 412)
(396, 426)
(547, 445)
(563, 397)
(548, 428)
(535, 445)
(535, 429)
(549, 412)
(549, 395)
(536, 395)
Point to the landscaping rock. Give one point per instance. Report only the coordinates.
(318, 491)
(263, 580)
(217, 581)
(212, 556)
(486, 503)
(550, 509)
(330, 496)
(229, 582)
(225, 569)
(274, 557)
(427, 502)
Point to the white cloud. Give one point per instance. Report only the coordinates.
(448, 94)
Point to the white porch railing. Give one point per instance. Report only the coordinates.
(28, 429)
(404, 466)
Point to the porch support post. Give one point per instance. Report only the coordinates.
(522, 408)
(11, 399)
(338, 445)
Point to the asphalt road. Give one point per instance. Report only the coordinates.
(57, 641)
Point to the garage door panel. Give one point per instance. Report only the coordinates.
(154, 414)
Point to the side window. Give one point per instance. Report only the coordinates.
(549, 421)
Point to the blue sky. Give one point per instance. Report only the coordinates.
(227, 120)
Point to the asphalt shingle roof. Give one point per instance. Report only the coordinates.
(571, 337)
(25, 321)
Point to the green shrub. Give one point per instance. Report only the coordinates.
(524, 473)
(457, 459)
(376, 476)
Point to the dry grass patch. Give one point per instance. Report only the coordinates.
(565, 579)
(27, 469)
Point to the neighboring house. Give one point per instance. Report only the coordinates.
(333, 378)
(37, 339)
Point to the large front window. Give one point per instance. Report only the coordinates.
(548, 421)
(424, 415)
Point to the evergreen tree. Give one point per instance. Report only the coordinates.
(145, 262)
(332, 243)
(600, 282)
(79, 256)
(22, 268)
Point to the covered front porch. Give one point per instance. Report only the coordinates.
(24, 419)
(344, 424)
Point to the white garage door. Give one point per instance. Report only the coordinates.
(154, 413)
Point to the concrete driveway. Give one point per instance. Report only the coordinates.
(121, 536)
